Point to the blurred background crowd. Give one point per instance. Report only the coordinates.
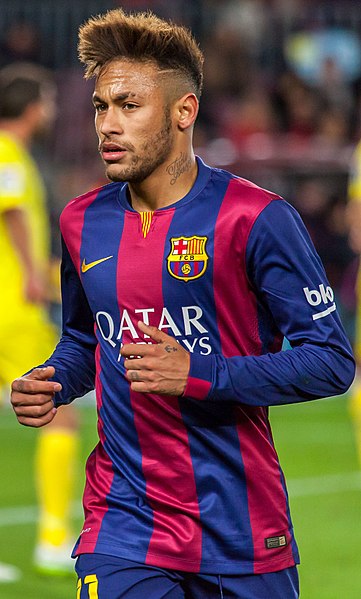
(281, 102)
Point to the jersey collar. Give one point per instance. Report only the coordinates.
(203, 176)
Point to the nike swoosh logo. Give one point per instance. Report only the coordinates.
(85, 267)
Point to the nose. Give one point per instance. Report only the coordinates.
(109, 122)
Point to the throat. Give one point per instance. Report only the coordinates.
(164, 187)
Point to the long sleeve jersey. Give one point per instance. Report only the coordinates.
(193, 482)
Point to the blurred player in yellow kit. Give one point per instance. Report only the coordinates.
(27, 336)
(354, 212)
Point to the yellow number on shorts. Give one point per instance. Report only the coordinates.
(92, 581)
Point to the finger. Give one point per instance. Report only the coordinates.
(41, 374)
(154, 333)
(136, 350)
(140, 387)
(137, 376)
(35, 411)
(28, 399)
(26, 386)
(37, 422)
(134, 364)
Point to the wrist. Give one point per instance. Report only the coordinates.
(199, 381)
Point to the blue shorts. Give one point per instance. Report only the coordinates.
(107, 577)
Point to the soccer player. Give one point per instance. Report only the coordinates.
(180, 282)
(27, 336)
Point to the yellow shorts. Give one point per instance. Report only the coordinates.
(24, 343)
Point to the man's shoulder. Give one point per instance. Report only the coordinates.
(79, 204)
(251, 191)
(243, 195)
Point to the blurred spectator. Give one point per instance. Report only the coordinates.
(324, 214)
(299, 105)
(74, 137)
(334, 87)
(227, 73)
(249, 116)
(246, 19)
(332, 130)
(21, 42)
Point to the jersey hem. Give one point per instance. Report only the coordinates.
(172, 563)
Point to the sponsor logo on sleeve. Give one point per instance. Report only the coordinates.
(320, 297)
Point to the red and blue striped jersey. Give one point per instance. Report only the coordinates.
(194, 483)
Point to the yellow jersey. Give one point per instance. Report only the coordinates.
(20, 187)
(27, 336)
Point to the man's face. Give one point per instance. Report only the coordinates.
(132, 120)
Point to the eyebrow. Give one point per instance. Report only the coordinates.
(117, 98)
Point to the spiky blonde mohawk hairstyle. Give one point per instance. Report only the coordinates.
(143, 37)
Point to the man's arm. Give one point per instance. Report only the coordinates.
(16, 222)
(74, 356)
(290, 282)
(70, 371)
(291, 285)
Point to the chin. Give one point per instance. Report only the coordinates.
(115, 174)
(128, 175)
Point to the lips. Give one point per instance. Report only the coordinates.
(112, 152)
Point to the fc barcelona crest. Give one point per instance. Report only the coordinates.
(187, 259)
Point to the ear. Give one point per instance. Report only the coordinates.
(186, 111)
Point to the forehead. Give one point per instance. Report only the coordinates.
(128, 76)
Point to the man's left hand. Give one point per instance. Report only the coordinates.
(161, 367)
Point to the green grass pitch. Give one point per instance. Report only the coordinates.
(317, 451)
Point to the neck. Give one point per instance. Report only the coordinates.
(18, 129)
(169, 183)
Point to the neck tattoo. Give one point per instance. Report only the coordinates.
(179, 166)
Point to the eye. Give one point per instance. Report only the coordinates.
(100, 107)
(129, 106)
